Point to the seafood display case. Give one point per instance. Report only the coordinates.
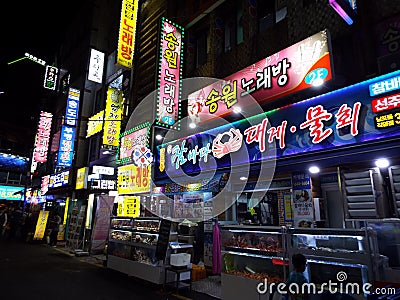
(335, 255)
(132, 247)
(250, 255)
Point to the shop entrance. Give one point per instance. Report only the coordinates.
(334, 207)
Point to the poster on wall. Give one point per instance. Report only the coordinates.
(41, 225)
(287, 206)
(170, 74)
(303, 210)
(101, 222)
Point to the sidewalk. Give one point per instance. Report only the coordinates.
(201, 290)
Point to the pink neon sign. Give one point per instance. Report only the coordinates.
(296, 68)
(43, 137)
(169, 77)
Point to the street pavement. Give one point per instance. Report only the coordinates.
(38, 271)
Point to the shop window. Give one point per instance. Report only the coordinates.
(202, 45)
(3, 177)
(266, 14)
(233, 29)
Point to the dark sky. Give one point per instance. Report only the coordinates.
(36, 27)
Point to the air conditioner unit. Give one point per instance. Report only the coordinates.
(389, 63)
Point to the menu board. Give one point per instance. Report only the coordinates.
(163, 239)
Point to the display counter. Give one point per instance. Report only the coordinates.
(132, 246)
(253, 254)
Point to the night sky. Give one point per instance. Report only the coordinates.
(36, 27)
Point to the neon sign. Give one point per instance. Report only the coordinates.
(293, 69)
(339, 118)
(170, 74)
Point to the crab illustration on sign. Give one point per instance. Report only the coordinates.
(234, 143)
(142, 156)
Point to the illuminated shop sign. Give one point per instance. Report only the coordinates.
(127, 30)
(340, 118)
(103, 184)
(45, 184)
(43, 137)
(293, 69)
(95, 124)
(7, 192)
(129, 140)
(81, 178)
(384, 86)
(102, 170)
(386, 103)
(346, 9)
(59, 180)
(50, 78)
(96, 66)
(132, 179)
(112, 117)
(66, 148)
(170, 74)
(72, 110)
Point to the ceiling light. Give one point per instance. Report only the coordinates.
(243, 178)
(382, 163)
(159, 137)
(192, 125)
(318, 82)
(237, 109)
(313, 170)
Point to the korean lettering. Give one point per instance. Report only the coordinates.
(384, 86)
(386, 103)
(169, 77)
(264, 78)
(281, 68)
(228, 96)
(391, 39)
(129, 10)
(141, 178)
(257, 133)
(347, 116)
(212, 100)
(127, 35)
(178, 156)
(246, 86)
(315, 116)
(203, 152)
(170, 56)
(278, 133)
(192, 154)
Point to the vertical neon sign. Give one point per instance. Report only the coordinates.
(170, 74)
(43, 137)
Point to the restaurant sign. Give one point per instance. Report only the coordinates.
(345, 117)
(301, 66)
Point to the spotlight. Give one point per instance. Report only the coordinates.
(243, 178)
(192, 125)
(382, 163)
(159, 137)
(313, 170)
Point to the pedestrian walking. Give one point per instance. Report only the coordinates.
(3, 222)
(55, 227)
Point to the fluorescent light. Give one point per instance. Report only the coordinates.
(382, 163)
(192, 125)
(158, 137)
(313, 170)
(341, 12)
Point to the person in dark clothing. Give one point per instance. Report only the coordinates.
(297, 277)
(55, 226)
